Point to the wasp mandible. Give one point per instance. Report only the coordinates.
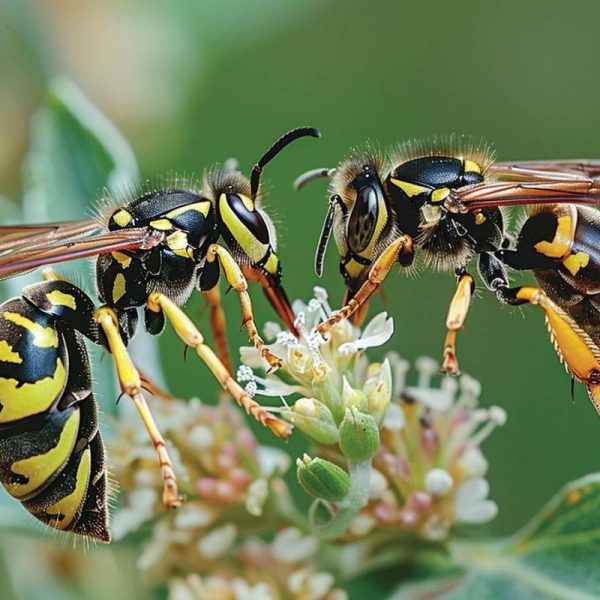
(152, 252)
(446, 202)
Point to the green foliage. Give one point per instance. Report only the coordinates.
(75, 154)
(554, 557)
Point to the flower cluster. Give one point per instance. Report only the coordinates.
(282, 568)
(429, 471)
(226, 476)
(389, 455)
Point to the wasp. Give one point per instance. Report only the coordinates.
(151, 252)
(446, 203)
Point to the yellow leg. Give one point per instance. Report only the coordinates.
(378, 272)
(190, 335)
(217, 324)
(129, 379)
(575, 347)
(238, 282)
(457, 313)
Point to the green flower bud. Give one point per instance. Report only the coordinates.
(359, 435)
(378, 389)
(353, 397)
(322, 479)
(327, 393)
(314, 419)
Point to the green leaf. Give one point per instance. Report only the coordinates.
(554, 556)
(75, 154)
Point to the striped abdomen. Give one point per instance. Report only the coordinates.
(51, 452)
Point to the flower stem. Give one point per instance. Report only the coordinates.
(357, 498)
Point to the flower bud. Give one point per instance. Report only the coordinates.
(378, 390)
(359, 435)
(353, 397)
(314, 419)
(322, 479)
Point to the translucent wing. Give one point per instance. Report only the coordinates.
(535, 182)
(26, 247)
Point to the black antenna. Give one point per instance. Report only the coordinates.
(334, 201)
(274, 150)
(311, 175)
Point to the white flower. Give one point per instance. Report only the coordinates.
(290, 546)
(272, 461)
(394, 418)
(438, 482)
(472, 462)
(471, 504)
(377, 332)
(217, 542)
(257, 495)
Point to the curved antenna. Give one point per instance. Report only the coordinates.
(326, 232)
(274, 150)
(311, 175)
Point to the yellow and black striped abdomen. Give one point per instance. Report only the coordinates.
(51, 453)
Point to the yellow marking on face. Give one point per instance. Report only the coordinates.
(472, 167)
(43, 337)
(440, 194)
(272, 264)
(7, 354)
(577, 261)
(119, 287)
(177, 242)
(354, 268)
(69, 506)
(561, 244)
(480, 218)
(201, 207)
(161, 224)
(243, 236)
(38, 469)
(247, 201)
(122, 259)
(122, 218)
(58, 298)
(410, 189)
(20, 400)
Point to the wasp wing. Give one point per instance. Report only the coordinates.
(14, 237)
(535, 182)
(27, 247)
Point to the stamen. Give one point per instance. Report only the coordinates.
(322, 297)
(251, 388)
(400, 368)
(245, 373)
(427, 367)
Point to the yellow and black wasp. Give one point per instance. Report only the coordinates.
(447, 203)
(152, 252)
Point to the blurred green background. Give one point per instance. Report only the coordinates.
(192, 83)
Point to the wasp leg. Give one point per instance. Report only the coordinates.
(188, 332)
(378, 272)
(574, 346)
(238, 282)
(129, 379)
(217, 324)
(457, 313)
